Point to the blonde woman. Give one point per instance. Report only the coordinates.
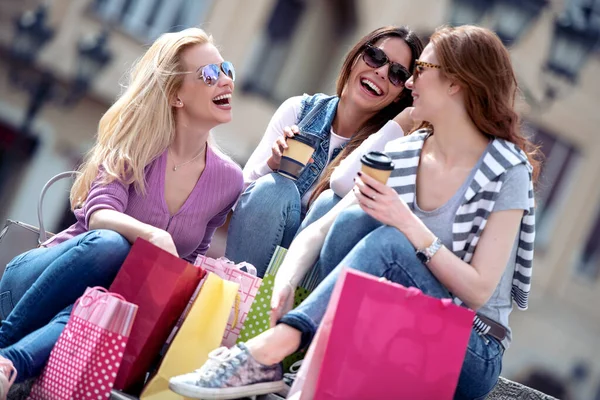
(153, 174)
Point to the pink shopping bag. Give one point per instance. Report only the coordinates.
(249, 285)
(85, 360)
(381, 340)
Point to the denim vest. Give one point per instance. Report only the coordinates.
(315, 119)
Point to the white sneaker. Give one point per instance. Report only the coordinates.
(8, 374)
(229, 374)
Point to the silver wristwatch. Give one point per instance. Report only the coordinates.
(425, 255)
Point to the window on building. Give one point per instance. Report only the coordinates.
(588, 265)
(559, 162)
(272, 48)
(286, 57)
(147, 19)
(16, 151)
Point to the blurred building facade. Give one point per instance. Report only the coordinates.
(283, 48)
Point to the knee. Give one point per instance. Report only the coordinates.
(325, 202)
(268, 194)
(111, 246)
(274, 184)
(391, 237)
(352, 217)
(389, 240)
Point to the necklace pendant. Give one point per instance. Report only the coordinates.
(174, 168)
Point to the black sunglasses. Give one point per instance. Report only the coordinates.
(374, 57)
(210, 73)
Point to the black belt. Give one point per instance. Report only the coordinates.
(487, 326)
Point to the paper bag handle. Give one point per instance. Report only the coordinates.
(236, 310)
(94, 302)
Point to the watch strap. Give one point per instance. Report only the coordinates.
(427, 253)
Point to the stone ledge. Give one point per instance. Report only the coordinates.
(505, 390)
(508, 390)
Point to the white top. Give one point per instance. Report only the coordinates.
(342, 179)
(286, 115)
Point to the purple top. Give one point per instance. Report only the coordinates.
(192, 227)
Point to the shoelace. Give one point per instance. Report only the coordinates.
(220, 354)
(290, 377)
(222, 359)
(9, 370)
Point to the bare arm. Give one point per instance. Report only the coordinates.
(342, 178)
(301, 256)
(131, 228)
(105, 209)
(473, 283)
(305, 248)
(122, 223)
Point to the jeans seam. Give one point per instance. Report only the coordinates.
(474, 353)
(280, 231)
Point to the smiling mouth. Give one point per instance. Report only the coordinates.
(222, 100)
(371, 87)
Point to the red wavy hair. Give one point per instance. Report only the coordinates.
(476, 59)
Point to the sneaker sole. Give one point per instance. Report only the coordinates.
(256, 389)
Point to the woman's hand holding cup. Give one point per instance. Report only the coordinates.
(280, 145)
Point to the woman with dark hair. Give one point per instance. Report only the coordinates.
(456, 221)
(370, 93)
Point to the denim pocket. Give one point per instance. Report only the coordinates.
(485, 348)
(6, 304)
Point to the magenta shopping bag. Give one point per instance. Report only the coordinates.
(85, 360)
(381, 340)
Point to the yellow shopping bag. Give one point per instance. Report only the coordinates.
(201, 333)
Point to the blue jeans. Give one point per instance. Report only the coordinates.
(321, 206)
(39, 287)
(268, 214)
(360, 242)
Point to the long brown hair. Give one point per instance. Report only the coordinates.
(390, 111)
(476, 59)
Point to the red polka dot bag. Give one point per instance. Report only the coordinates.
(85, 360)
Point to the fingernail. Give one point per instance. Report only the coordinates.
(359, 173)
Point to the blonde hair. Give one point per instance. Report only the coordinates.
(140, 125)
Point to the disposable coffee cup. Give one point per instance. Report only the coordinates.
(296, 156)
(377, 165)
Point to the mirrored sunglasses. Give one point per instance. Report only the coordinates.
(210, 73)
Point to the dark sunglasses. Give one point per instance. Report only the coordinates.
(210, 73)
(374, 57)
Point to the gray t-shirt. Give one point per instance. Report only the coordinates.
(514, 195)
